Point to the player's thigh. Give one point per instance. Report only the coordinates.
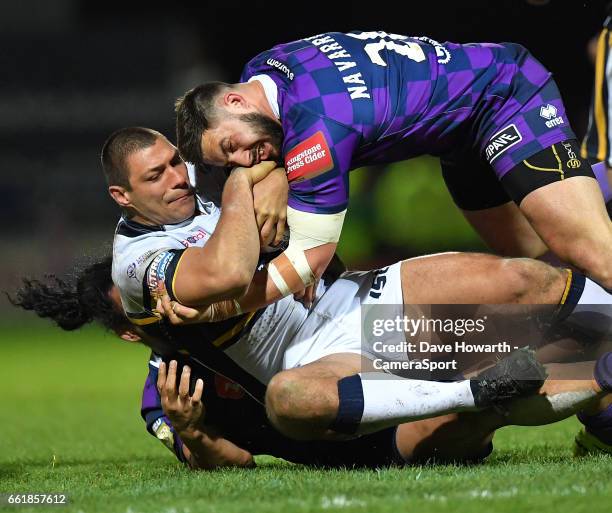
(461, 438)
(486, 205)
(478, 278)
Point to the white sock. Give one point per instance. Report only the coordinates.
(373, 401)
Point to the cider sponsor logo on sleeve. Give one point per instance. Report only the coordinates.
(308, 159)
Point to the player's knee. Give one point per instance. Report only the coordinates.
(531, 281)
(283, 398)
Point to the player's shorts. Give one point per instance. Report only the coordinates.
(334, 325)
(474, 185)
(521, 138)
(597, 144)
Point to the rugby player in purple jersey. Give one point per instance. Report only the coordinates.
(329, 103)
(208, 421)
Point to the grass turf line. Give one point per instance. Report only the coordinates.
(71, 424)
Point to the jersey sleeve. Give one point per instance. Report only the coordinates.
(161, 272)
(156, 421)
(318, 153)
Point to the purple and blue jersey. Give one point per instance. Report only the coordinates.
(363, 98)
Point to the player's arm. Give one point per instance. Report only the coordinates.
(224, 267)
(317, 172)
(194, 443)
(317, 166)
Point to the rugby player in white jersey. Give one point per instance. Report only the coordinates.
(169, 237)
(214, 423)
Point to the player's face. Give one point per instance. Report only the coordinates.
(160, 193)
(242, 140)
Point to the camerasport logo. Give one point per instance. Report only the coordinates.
(549, 112)
(501, 141)
(308, 159)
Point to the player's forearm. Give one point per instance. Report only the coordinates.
(236, 240)
(207, 452)
(272, 284)
(224, 267)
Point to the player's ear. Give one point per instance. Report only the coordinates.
(234, 101)
(120, 195)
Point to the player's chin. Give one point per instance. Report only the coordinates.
(183, 207)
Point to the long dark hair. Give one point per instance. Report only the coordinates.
(73, 301)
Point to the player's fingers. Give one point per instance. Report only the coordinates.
(299, 294)
(261, 170)
(260, 217)
(265, 234)
(184, 383)
(280, 229)
(310, 294)
(161, 377)
(171, 379)
(166, 304)
(183, 313)
(197, 392)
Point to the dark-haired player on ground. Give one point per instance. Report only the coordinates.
(319, 350)
(329, 103)
(215, 423)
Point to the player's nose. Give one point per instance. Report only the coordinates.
(179, 178)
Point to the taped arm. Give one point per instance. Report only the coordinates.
(317, 165)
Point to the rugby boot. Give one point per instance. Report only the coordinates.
(517, 375)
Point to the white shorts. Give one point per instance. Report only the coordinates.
(334, 325)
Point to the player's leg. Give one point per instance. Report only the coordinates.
(494, 215)
(475, 278)
(333, 397)
(466, 437)
(571, 218)
(596, 434)
(476, 190)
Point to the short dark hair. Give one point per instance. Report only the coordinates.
(195, 113)
(72, 303)
(119, 146)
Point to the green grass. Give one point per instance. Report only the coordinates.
(70, 423)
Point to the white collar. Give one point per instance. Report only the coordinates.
(271, 91)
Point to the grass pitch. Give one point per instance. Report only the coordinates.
(70, 424)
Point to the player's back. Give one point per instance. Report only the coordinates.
(403, 96)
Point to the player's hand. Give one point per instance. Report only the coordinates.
(270, 201)
(179, 314)
(258, 172)
(307, 295)
(184, 411)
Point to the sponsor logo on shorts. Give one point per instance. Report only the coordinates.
(573, 160)
(201, 234)
(283, 68)
(308, 159)
(227, 389)
(501, 141)
(549, 112)
(131, 271)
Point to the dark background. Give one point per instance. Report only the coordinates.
(72, 72)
